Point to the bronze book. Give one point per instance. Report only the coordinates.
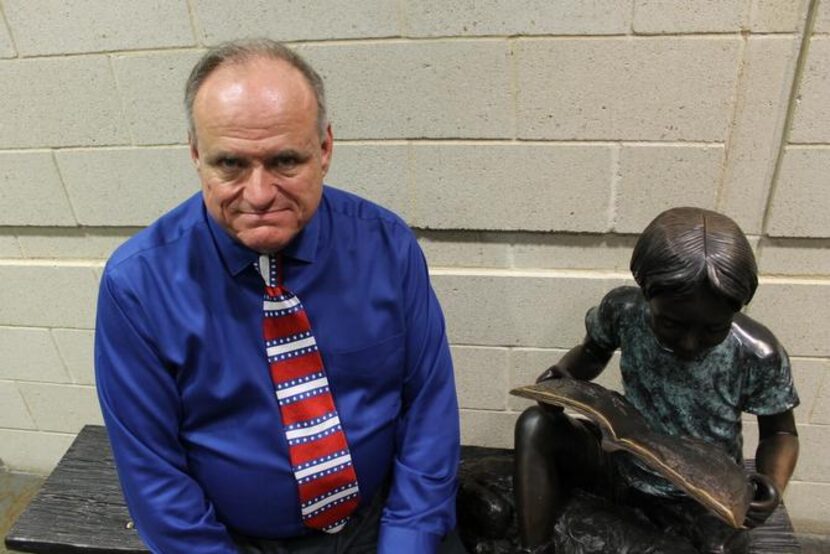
(704, 471)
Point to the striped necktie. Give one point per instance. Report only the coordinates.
(317, 445)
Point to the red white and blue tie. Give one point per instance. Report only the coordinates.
(317, 446)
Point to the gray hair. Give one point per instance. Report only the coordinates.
(241, 51)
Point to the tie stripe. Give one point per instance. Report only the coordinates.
(297, 367)
(317, 446)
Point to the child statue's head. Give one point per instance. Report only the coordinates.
(696, 269)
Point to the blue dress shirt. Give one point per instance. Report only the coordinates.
(189, 404)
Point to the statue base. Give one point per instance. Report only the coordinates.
(590, 524)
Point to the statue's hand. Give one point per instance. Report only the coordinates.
(765, 499)
(553, 372)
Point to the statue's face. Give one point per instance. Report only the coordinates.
(690, 325)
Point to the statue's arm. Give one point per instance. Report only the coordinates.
(777, 450)
(775, 460)
(584, 362)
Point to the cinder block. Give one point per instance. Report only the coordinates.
(818, 411)
(563, 251)
(483, 428)
(465, 248)
(794, 257)
(809, 375)
(33, 451)
(68, 101)
(481, 377)
(795, 312)
(813, 461)
(811, 122)
(62, 408)
(69, 26)
(31, 188)
(6, 45)
(801, 202)
(9, 247)
(511, 187)
(750, 434)
(434, 89)
(654, 178)
(808, 505)
(822, 18)
(85, 243)
(13, 411)
(681, 16)
(526, 364)
(29, 354)
(290, 21)
(661, 88)
(129, 186)
(501, 308)
(76, 350)
(526, 17)
(58, 295)
(152, 90)
(777, 16)
(374, 171)
(768, 70)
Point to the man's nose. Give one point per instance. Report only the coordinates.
(260, 188)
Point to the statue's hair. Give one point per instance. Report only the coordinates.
(242, 51)
(683, 248)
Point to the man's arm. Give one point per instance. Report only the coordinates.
(421, 505)
(141, 408)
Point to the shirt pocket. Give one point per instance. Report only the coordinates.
(378, 367)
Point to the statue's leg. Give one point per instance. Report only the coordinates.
(553, 453)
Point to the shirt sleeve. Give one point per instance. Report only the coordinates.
(420, 508)
(769, 387)
(602, 323)
(142, 410)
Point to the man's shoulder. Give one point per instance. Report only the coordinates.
(166, 230)
(350, 205)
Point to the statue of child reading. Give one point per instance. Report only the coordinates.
(691, 363)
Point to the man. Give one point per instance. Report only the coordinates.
(202, 368)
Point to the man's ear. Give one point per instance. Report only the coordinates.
(194, 150)
(327, 146)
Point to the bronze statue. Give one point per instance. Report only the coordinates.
(691, 363)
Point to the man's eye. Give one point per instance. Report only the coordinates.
(229, 164)
(284, 162)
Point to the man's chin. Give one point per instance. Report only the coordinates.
(265, 241)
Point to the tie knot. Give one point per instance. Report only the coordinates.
(268, 267)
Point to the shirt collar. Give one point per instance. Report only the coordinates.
(238, 257)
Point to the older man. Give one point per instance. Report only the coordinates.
(271, 360)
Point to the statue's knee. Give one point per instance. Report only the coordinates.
(533, 422)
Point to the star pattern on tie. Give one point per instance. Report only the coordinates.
(317, 446)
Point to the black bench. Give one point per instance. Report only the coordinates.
(80, 508)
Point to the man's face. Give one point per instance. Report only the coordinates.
(690, 325)
(258, 151)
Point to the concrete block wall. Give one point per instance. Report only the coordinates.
(526, 142)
